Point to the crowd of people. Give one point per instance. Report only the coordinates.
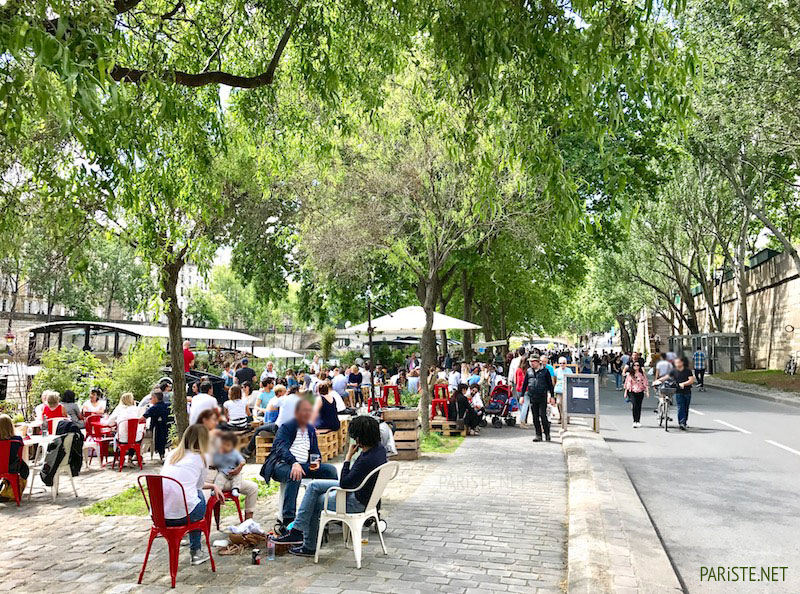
(295, 405)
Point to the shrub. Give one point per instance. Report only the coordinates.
(69, 369)
(326, 342)
(137, 371)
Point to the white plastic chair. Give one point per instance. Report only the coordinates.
(63, 468)
(352, 524)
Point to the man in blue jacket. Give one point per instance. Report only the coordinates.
(290, 459)
(365, 432)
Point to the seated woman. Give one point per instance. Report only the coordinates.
(52, 408)
(325, 410)
(365, 431)
(72, 410)
(96, 404)
(354, 383)
(15, 463)
(125, 410)
(460, 409)
(187, 465)
(237, 409)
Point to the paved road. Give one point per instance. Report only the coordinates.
(725, 493)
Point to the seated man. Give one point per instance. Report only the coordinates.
(289, 460)
(365, 432)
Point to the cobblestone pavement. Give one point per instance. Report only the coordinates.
(490, 517)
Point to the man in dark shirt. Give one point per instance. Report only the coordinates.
(245, 373)
(538, 385)
(366, 433)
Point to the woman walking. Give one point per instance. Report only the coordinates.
(636, 388)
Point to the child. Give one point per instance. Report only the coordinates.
(229, 463)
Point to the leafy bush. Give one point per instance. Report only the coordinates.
(7, 407)
(409, 399)
(70, 369)
(326, 342)
(137, 371)
(348, 358)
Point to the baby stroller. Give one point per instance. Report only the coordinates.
(501, 406)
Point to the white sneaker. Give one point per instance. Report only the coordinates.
(199, 557)
(635, 425)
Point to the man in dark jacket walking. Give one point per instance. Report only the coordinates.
(289, 460)
(538, 385)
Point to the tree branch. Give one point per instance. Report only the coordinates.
(188, 79)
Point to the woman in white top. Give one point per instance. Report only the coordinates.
(95, 404)
(125, 410)
(236, 408)
(187, 465)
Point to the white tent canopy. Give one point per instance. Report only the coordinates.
(274, 353)
(411, 320)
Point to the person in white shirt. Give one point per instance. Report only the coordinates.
(455, 379)
(663, 368)
(269, 371)
(188, 465)
(203, 400)
(285, 405)
(236, 409)
(125, 410)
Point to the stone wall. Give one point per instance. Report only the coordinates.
(774, 304)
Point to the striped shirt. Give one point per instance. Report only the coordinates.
(699, 360)
(301, 446)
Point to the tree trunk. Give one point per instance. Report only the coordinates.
(503, 332)
(743, 319)
(488, 335)
(625, 338)
(14, 296)
(443, 333)
(169, 295)
(428, 295)
(467, 291)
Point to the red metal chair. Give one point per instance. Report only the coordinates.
(385, 395)
(228, 496)
(440, 401)
(172, 534)
(123, 447)
(5, 473)
(101, 435)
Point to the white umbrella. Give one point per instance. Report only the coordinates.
(411, 320)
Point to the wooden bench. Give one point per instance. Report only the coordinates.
(448, 428)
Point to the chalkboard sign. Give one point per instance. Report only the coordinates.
(581, 398)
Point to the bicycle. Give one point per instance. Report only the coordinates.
(665, 393)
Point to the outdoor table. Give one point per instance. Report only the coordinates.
(36, 440)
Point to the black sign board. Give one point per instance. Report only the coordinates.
(581, 398)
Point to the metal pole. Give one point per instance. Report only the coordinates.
(371, 352)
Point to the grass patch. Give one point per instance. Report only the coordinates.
(131, 503)
(438, 444)
(769, 378)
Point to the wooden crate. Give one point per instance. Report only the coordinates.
(243, 439)
(344, 427)
(406, 455)
(448, 428)
(263, 447)
(400, 414)
(328, 444)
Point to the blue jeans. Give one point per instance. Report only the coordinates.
(683, 401)
(618, 380)
(281, 474)
(307, 520)
(198, 513)
(524, 406)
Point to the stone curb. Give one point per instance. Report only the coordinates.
(612, 544)
(753, 391)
